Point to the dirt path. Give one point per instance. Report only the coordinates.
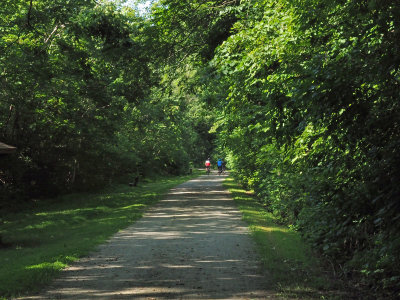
(192, 245)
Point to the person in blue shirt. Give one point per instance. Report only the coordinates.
(219, 165)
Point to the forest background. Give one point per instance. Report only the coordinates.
(300, 97)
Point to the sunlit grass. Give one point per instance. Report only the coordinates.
(45, 239)
(294, 270)
(55, 265)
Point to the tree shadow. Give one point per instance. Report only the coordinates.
(192, 244)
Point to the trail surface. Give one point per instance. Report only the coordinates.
(191, 245)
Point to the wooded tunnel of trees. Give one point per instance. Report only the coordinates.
(302, 97)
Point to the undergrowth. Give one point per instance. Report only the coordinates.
(39, 242)
(295, 271)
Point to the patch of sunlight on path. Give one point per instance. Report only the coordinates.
(191, 245)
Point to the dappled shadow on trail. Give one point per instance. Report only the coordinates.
(192, 245)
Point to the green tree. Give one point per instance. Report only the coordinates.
(313, 123)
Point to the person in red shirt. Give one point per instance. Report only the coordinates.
(208, 165)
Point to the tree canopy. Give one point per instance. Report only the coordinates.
(300, 97)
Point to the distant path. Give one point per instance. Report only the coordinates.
(192, 245)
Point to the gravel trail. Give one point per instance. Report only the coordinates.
(191, 245)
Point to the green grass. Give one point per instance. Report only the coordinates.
(44, 240)
(294, 270)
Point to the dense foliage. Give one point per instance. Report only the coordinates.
(302, 97)
(312, 124)
(307, 94)
(86, 98)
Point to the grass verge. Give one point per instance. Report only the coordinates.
(44, 240)
(295, 271)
